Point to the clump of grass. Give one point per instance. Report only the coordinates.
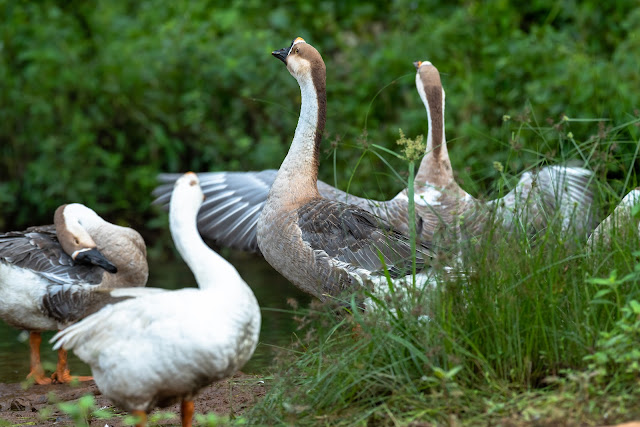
(528, 330)
(519, 317)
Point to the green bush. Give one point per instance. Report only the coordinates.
(97, 98)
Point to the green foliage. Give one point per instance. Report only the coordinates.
(97, 98)
(413, 148)
(214, 420)
(81, 411)
(617, 356)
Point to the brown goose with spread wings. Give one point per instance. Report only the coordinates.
(322, 246)
(42, 270)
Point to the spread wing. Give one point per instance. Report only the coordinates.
(555, 192)
(233, 202)
(232, 205)
(37, 249)
(354, 236)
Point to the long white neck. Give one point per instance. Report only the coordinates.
(209, 268)
(435, 168)
(298, 175)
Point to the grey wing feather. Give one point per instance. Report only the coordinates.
(357, 237)
(562, 192)
(40, 252)
(69, 303)
(572, 192)
(329, 192)
(233, 202)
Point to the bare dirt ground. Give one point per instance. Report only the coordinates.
(20, 407)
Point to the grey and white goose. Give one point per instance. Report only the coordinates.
(158, 347)
(42, 266)
(235, 199)
(553, 193)
(322, 246)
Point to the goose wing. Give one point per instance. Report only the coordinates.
(353, 235)
(554, 192)
(71, 302)
(138, 338)
(37, 249)
(233, 202)
(571, 191)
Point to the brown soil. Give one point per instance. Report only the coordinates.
(27, 407)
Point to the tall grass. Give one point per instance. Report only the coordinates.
(541, 328)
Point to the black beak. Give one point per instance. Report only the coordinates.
(281, 54)
(93, 256)
(417, 64)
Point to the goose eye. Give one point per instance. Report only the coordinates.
(297, 50)
(77, 241)
(192, 183)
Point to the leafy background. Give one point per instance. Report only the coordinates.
(96, 98)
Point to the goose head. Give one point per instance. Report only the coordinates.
(187, 195)
(74, 237)
(428, 81)
(303, 61)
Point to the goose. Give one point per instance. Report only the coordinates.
(532, 204)
(619, 219)
(37, 266)
(235, 199)
(158, 347)
(323, 246)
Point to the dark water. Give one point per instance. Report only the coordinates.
(271, 290)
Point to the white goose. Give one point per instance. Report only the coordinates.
(235, 199)
(160, 347)
(39, 267)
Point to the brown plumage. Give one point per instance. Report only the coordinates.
(322, 246)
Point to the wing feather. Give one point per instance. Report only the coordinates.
(354, 236)
(40, 252)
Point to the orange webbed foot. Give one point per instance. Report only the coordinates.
(65, 377)
(38, 377)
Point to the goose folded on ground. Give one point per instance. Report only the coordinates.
(235, 199)
(38, 265)
(620, 221)
(158, 346)
(323, 246)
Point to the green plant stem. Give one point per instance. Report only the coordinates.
(412, 220)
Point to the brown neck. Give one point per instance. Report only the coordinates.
(319, 82)
(435, 168)
(434, 95)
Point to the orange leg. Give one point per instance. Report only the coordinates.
(186, 409)
(62, 374)
(142, 417)
(37, 371)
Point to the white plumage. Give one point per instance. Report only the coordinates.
(160, 346)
